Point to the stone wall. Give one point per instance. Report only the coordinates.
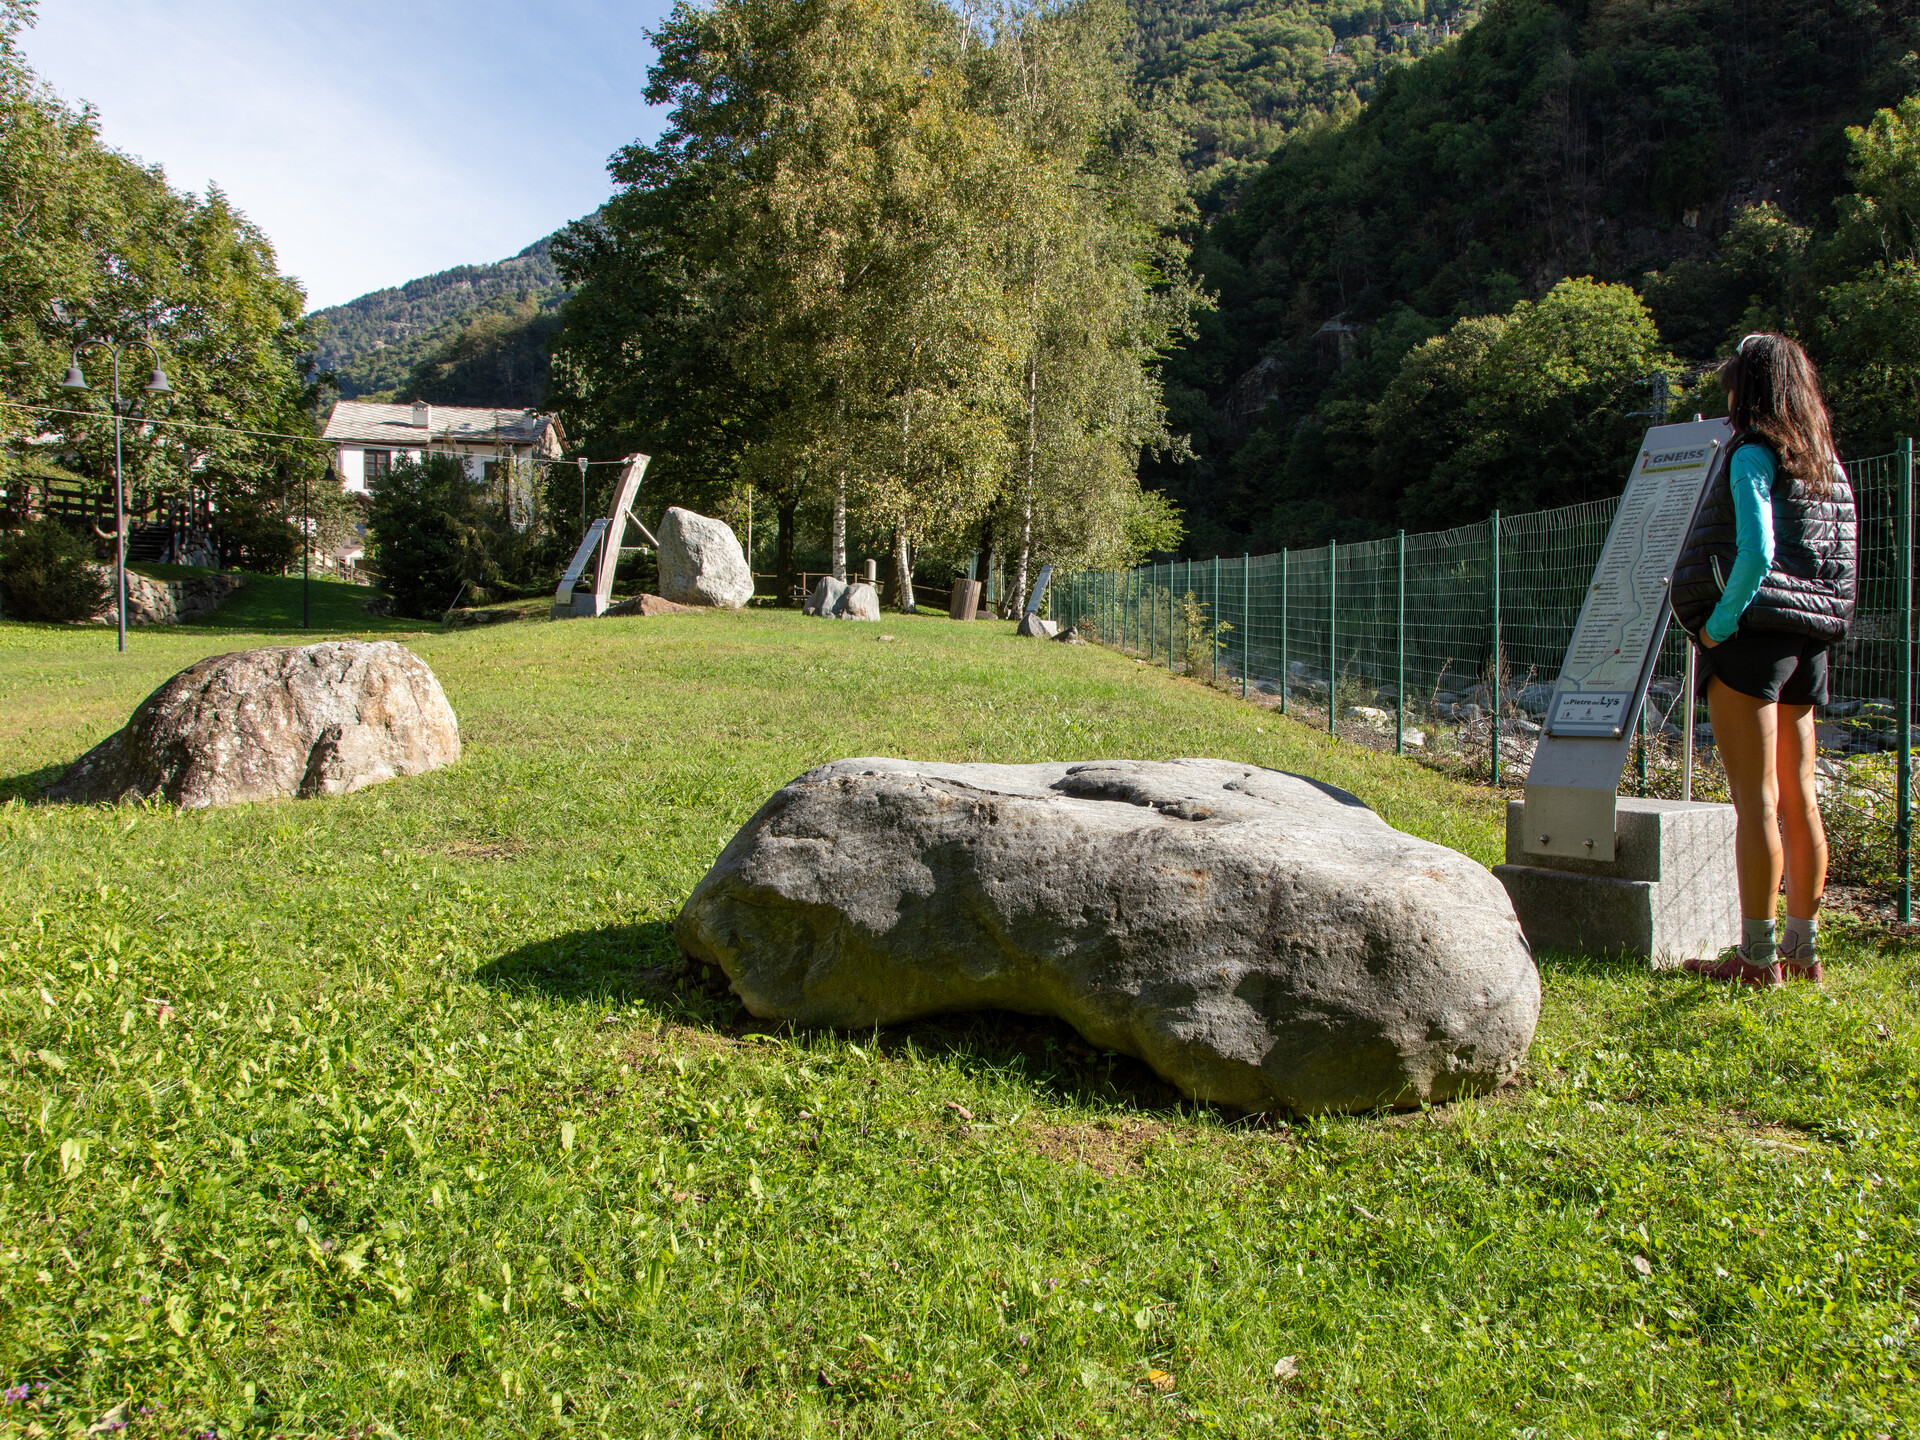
(167, 602)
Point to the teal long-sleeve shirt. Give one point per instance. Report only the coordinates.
(1750, 477)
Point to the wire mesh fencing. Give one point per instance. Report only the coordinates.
(1450, 642)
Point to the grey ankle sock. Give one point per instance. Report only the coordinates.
(1757, 944)
(1797, 939)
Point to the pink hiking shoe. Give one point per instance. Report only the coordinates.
(1732, 967)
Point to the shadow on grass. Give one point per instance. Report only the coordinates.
(30, 786)
(1045, 1053)
(624, 964)
(1586, 965)
(620, 965)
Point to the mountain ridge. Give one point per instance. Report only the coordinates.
(374, 342)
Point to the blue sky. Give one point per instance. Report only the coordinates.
(371, 142)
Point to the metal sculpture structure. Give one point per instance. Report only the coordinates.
(605, 534)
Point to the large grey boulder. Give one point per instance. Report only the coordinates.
(701, 562)
(826, 594)
(859, 602)
(1261, 940)
(266, 724)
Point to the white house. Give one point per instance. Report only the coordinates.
(370, 439)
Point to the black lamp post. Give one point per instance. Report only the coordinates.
(156, 385)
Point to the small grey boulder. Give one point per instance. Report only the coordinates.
(825, 595)
(269, 724)
(1260, 939)
(858, 602)
(701, 562)
(1033, 625)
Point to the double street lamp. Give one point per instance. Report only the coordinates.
(156, 385)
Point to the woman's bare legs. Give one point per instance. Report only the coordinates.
(1746, 731)
(1804, 836)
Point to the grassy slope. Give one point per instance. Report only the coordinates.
(395, 1111)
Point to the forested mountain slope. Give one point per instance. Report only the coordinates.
(1241, 74)
(375, 342)
(1604, 138)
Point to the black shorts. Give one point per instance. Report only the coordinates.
(1779, 669)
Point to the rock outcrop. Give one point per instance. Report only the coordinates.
(701, 562)
(268, 724)
(648, 605)
(1261, 940)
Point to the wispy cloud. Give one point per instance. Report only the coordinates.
(371, 142)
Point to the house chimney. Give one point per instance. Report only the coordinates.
(422, 415)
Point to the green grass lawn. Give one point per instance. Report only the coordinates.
(397, 1114)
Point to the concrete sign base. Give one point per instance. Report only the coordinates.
(1669, 892)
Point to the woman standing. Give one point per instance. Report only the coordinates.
(1765, 585)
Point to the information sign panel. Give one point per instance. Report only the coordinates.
(1625, 612)
(1573, 783)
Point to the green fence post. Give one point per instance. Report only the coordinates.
(1169, 617)
(1903, 818)
(1400, 662)
(1246, 619)
(1333, 630)
(1642, 742)
(1283, 631)
(1213, 623)
(1150, 613)
(1493, 688)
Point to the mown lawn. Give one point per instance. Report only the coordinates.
(397, 1115)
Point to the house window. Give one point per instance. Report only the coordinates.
(377, 462)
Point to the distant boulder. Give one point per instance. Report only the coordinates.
(648, 605)
(271, 724)
(833, 599)
(701, 562)
(860, 602)
(825, 595)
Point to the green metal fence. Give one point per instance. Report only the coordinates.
(1475, 621)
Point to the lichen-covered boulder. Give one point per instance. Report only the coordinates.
(701, 562)
(1260, 939)
(268, 724)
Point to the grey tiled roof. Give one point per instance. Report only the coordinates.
(358, 422)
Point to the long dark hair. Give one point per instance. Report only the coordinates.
(1772, 389)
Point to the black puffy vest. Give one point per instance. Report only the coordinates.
(1809, 589)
